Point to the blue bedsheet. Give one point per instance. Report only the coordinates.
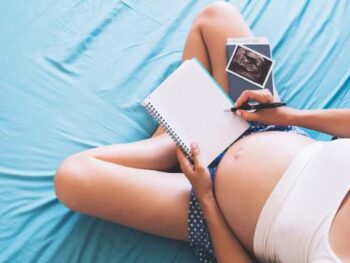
(72, 74)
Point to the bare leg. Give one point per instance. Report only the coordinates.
(119, 182)
(101, 183)
(207, 38)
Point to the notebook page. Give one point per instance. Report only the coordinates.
(193, 105)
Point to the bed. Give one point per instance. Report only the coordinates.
(72, 75)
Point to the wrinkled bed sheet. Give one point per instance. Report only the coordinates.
(72, 74)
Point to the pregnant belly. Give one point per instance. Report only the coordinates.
(247, 175)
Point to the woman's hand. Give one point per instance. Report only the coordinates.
(227, 248)
(197, 174)
(277, 116)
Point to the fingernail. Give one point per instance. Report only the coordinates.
(239, 113)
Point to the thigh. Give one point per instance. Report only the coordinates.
(218, 23)
(146, 200)
(157, 153)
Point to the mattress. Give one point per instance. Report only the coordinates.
(72, 75)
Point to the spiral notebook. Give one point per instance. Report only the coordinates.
(190, 106)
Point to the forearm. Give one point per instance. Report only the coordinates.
(226, 246)
(335, 122)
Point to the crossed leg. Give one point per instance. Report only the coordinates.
(127, 183)
(121, 183)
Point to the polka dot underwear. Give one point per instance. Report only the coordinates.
(198, 232)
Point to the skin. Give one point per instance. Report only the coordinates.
(226, 245)
(333, 121)
(128, 183)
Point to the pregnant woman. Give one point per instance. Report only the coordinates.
(278, 195)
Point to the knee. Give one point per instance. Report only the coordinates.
(69, 179)
(215, 11)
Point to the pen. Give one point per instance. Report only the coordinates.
(256, 106)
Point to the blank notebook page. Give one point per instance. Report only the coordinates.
(192, 106)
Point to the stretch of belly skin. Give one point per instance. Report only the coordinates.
(247, 175)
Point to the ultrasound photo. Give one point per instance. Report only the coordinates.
(250, 65)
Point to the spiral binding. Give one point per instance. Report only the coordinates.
(163, 123)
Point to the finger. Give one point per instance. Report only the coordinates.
(243, 98)
(262, 96)
(181, 156)
(185, 164)
(182, 160)
(196, 157)
(248, 116)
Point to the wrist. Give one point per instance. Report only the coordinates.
(206, 200)
(295, 117)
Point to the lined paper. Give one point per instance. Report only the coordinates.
(193, 105)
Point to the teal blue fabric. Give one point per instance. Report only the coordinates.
(72, 74)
